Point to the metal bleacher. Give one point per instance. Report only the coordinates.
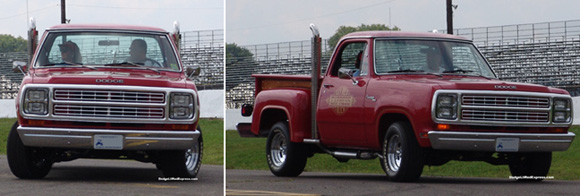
(9, 80)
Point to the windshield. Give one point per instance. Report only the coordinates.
(430, 57)
(94, 49)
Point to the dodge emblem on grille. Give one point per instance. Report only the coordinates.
(108, 81)
(505, 87)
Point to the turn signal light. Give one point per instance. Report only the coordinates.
(36, 122)
(443, 127)
(180, 127)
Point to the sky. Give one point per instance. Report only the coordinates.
(193, 15)
(250, 22)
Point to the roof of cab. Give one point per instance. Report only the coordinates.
(105, 27)
(399, 34)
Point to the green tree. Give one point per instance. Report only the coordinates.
(239, 65)
(343, 30)
(235, 53)
(9, 43)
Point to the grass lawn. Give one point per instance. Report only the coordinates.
(212, 129)
(213, 141)
(249, 153)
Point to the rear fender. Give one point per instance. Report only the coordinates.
(276, 105)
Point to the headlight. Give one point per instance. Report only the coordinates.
(36, 101)
(181, 106)
(446, 107)
(561, 110)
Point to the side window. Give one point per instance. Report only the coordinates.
(349, 57)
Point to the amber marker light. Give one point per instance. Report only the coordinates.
(36, 122)
(180, 127)
(443, 127)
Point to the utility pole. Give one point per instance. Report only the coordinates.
(449, 17)
(62, 12)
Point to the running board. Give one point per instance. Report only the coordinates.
(311, 141)
(342, 154)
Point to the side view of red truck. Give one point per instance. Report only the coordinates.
(105, 91)
(409, 99)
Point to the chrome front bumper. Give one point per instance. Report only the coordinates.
(84, 138)
(486, 142)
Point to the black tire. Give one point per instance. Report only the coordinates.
(26, 162)
(402, 157)
(182, 163)
(285, 158)
(530, 165)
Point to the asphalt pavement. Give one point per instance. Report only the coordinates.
(110, 177)
(249, 182)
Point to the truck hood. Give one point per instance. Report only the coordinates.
(110, 77)
(478, 83)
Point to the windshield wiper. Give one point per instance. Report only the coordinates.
(414, 71)
(73, 64)
(471, 72)
(126, 63)
(458, 71)
(406, 70)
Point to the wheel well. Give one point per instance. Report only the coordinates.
(269, 117)
(386, 121)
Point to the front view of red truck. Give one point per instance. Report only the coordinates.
(105, 91)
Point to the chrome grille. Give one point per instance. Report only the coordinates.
(506, 101)
(502, 115)
(108, 96)
(108, 111)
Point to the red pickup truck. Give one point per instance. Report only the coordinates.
(410, 99)
(105, 91)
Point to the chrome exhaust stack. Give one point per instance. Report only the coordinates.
(315, 77)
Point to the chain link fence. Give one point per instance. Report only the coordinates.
(540, 53)
(204, 49)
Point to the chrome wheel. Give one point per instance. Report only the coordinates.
(394, 153)
(278, 150)
(192, 158)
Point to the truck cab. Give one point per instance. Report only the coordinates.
(409, 99)
(105, 91)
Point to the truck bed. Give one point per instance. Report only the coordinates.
(273, 81)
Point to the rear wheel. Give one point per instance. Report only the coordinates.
(285, 158)
(402, 158)
(26, 162)
(182, 163)
(530, 165)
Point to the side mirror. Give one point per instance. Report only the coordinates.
(344, 73)
(191, 71)
(19, 66)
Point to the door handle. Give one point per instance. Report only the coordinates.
(328, 85)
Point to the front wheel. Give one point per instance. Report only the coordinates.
(26, 162)
(285, 158)
(402, 158)
(182, 163)
(533, 165)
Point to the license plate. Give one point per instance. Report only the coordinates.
(507, 144)
(108, 142)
